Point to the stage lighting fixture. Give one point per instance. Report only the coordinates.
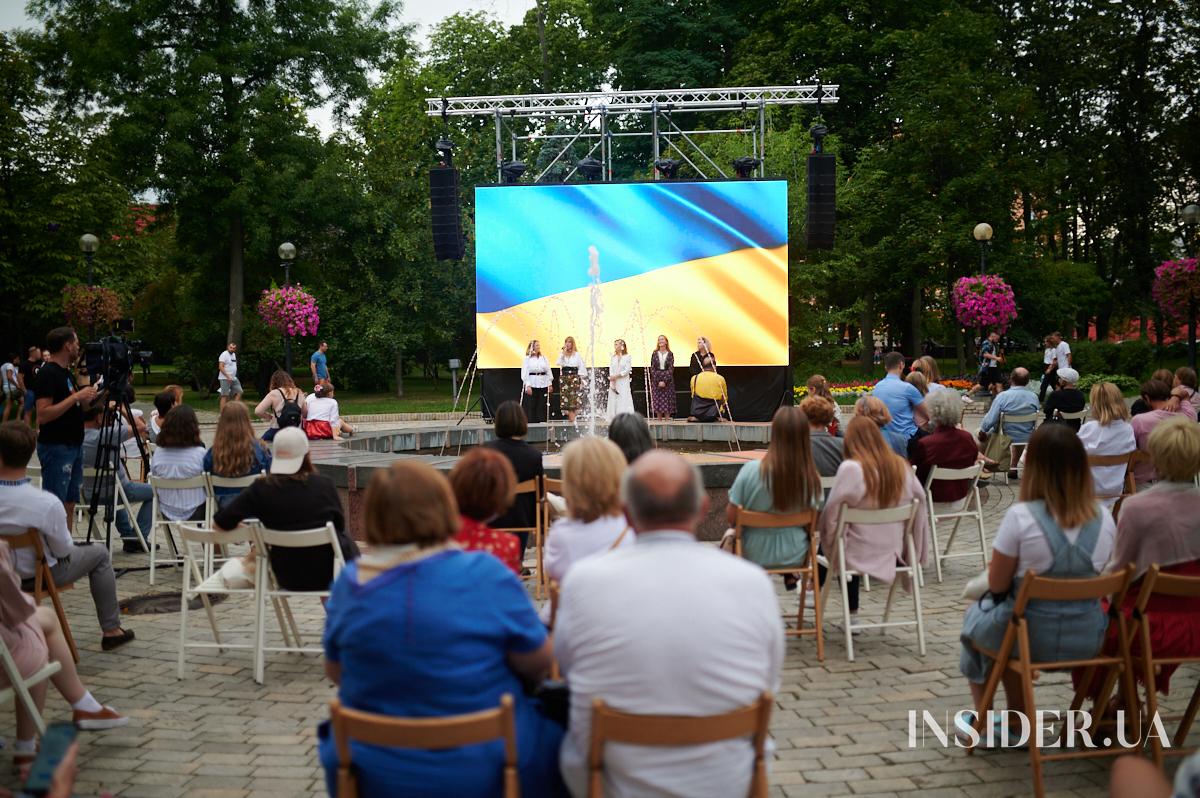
(667, 168)
(590, 168)
(512, 171)
(818, 133)
(445, 148)
(745, 166)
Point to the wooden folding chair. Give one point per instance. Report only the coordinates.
(166, 525)
(423, 733)
(609, 725)
(1156, 583)
(1038, 588)
(19, 685)
(532, 486)
(766, 524)
(905, 514)
(549, 485)
(43, 580)
(1014, 457)
(269, 589)
(194, 585)
(975, 514)
(1128, 459)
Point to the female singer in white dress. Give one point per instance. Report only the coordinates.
(536, 380)
(620, 391)
(571, 374)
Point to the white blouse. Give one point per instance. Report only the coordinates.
(573, 360)
(620, 366)
(1114, 438)
(535, 372)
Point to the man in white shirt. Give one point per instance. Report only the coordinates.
(230, 387)
(666, 626)
(23, 507)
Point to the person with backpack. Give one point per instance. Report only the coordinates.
(283, 406)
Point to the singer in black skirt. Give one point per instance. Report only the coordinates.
(536, 380)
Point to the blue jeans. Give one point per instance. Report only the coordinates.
(62, 470)
(136, 492)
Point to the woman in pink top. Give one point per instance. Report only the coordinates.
(872, 477)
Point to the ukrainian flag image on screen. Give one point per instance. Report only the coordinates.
(675, 259)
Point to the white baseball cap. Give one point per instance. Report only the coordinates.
(288, 450)
(1068, 375)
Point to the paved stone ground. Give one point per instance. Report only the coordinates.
(840, 728)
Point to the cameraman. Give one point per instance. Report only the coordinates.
(60, 419)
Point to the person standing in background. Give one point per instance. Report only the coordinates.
(60, 419)
(571, 369)
(535, 382)
(230, 387)
(1047, 367)
(703, 350)
(620, 372)
(662, 381)
(25, 376)
(319, 365)
(10, 386)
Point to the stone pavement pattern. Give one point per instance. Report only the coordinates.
(840, 728)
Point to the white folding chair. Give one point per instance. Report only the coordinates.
(1079, 416)
(119, 500)
(166, 525)
(972, 507)
(214, 482)
(270, 590)
(194, 584)
(827, 483)
(19, 686)
(1014, 463)
(35, 476)
(894, 515)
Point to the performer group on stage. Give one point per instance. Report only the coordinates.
(537, 382)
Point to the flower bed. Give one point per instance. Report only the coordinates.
(849, 392)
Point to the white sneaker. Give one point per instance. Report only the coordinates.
(966, 398)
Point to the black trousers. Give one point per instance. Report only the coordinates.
(1049, 383)
(851, 587)
(534, 405)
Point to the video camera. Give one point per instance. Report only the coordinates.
(112, 358)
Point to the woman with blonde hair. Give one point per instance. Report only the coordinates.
(662, 380)
(591, 472)
(235, 452)
(928, 368)
(571, 369)
(620, 372)
(872, 407)
(872, 477)
(284, 405)
(536, 380)
(1108, 433)
(1056, 529)
(784, 481)
(419, 628)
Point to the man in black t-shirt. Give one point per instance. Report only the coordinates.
(60, 419)
(26, 373)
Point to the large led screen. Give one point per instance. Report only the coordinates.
(677, 259)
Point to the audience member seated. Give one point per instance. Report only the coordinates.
(631, 433)
(33, 638)
(235, 451)
(920, 414)
(1065, 399)
(179, 454)
(818, 387)
(136, 492)
(928, 367)
(873, 408)
(947, 447)
(419, 628)
(826, 447)
(323, 419)
(1139, 405)
(901, 399)
(666, 626)
(164, 400)
(872, 477)
(1108, 433)
(24, 507)
(1184, 389)
(284, 405)
(293, 497)
(1056, 529)
(1161, 526)
(1157, 396)
(591, 472)
(1016, 400)
(784, 481)
(511, 428)
(710, 394)
(484, 486)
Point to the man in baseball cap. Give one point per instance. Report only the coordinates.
(1066, 398)
(288, 450)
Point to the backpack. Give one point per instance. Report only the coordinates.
(289, 414)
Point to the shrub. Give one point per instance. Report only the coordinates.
(1135, 358)
(1126, 383)
(1028, 360)
(1091, 357)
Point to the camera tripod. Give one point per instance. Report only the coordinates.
(108, 463)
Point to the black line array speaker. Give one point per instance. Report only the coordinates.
(822, 201)
(444, 213)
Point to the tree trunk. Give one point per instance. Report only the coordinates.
(866, 357)
(399, 375)
(236, 278)
(960, 350)
(918, 304)
(541, 18)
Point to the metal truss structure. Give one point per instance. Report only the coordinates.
(598, 108)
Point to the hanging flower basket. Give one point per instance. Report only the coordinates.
(985, 301)
(1176, 283)
(289, 311)
(90, 306)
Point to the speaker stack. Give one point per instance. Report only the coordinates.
(445, 214)
(822, 201)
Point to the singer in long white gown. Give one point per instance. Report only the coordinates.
(620, 390)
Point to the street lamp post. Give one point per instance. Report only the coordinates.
(1191, 217)
(88, 243)
(287, 253)
(983, 234)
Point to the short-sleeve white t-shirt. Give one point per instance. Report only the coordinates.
(1021, 536)
(1060, 355)
(230, 361)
